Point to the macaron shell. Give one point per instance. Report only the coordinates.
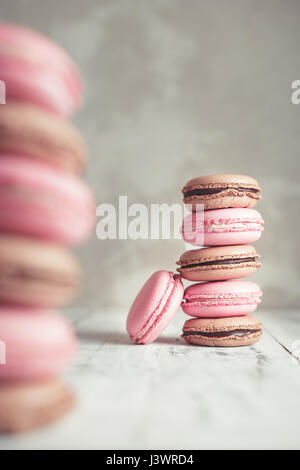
(27, 130)
(38, 71)
(223, 227)
(43, 202)
(221, 299)
(36, 273)
(171, 308)
(154, 307)
(39, 344)
(217, 180)
(221, 325)
(30, 405)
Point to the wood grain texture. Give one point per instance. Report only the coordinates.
(169, 395)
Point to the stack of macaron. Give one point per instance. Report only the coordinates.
(45, 207)
(223, 220)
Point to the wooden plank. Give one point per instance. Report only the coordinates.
(284, 326)
(169, 395)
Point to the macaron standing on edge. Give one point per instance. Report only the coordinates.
(154, 307)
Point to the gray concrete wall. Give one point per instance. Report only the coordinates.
(176, 89)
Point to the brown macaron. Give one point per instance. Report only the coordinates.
(221, 191)
(35, 273)
(30, 405)
(31, 132)
(219, 263)
(222, 332)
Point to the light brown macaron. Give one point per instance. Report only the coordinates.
(222, 332)
(221, 191)
(219, 263)
(31, 132)
(31, 405)
(35, 273)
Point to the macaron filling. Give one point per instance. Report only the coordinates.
(208, 191)
(223, 225)
(215, 300)
(222, 262)
(157, 314)
(222, 334)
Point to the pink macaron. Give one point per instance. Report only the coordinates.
(41, 201)
(34, 344)
(223, 227)
(154, 306)
(221, 299)
(38, 71)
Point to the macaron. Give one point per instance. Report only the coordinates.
(39, 344)
(40, 201)
(219, 263)
(154, 307)
(34, 273)
(221, 191)
(36, 70)
(221, 299)
(223, 227)
(30, 405)
(32, 132)
(222, 332)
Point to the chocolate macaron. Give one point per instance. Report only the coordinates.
(222, 332)
(34, 273)
(29, 131)
(29, 405)
(219, 263)
(221, 191)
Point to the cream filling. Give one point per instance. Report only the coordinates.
(235, 227)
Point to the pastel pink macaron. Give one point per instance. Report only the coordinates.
(221, 227)
(221, 299)
(38, 71)
(41, 201)
(35, 344)
(154, 306)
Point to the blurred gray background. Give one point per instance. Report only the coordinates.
(174, 90)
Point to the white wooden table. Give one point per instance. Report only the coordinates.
(169, 395)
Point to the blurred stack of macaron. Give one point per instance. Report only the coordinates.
(224, 224)
(45, 207)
